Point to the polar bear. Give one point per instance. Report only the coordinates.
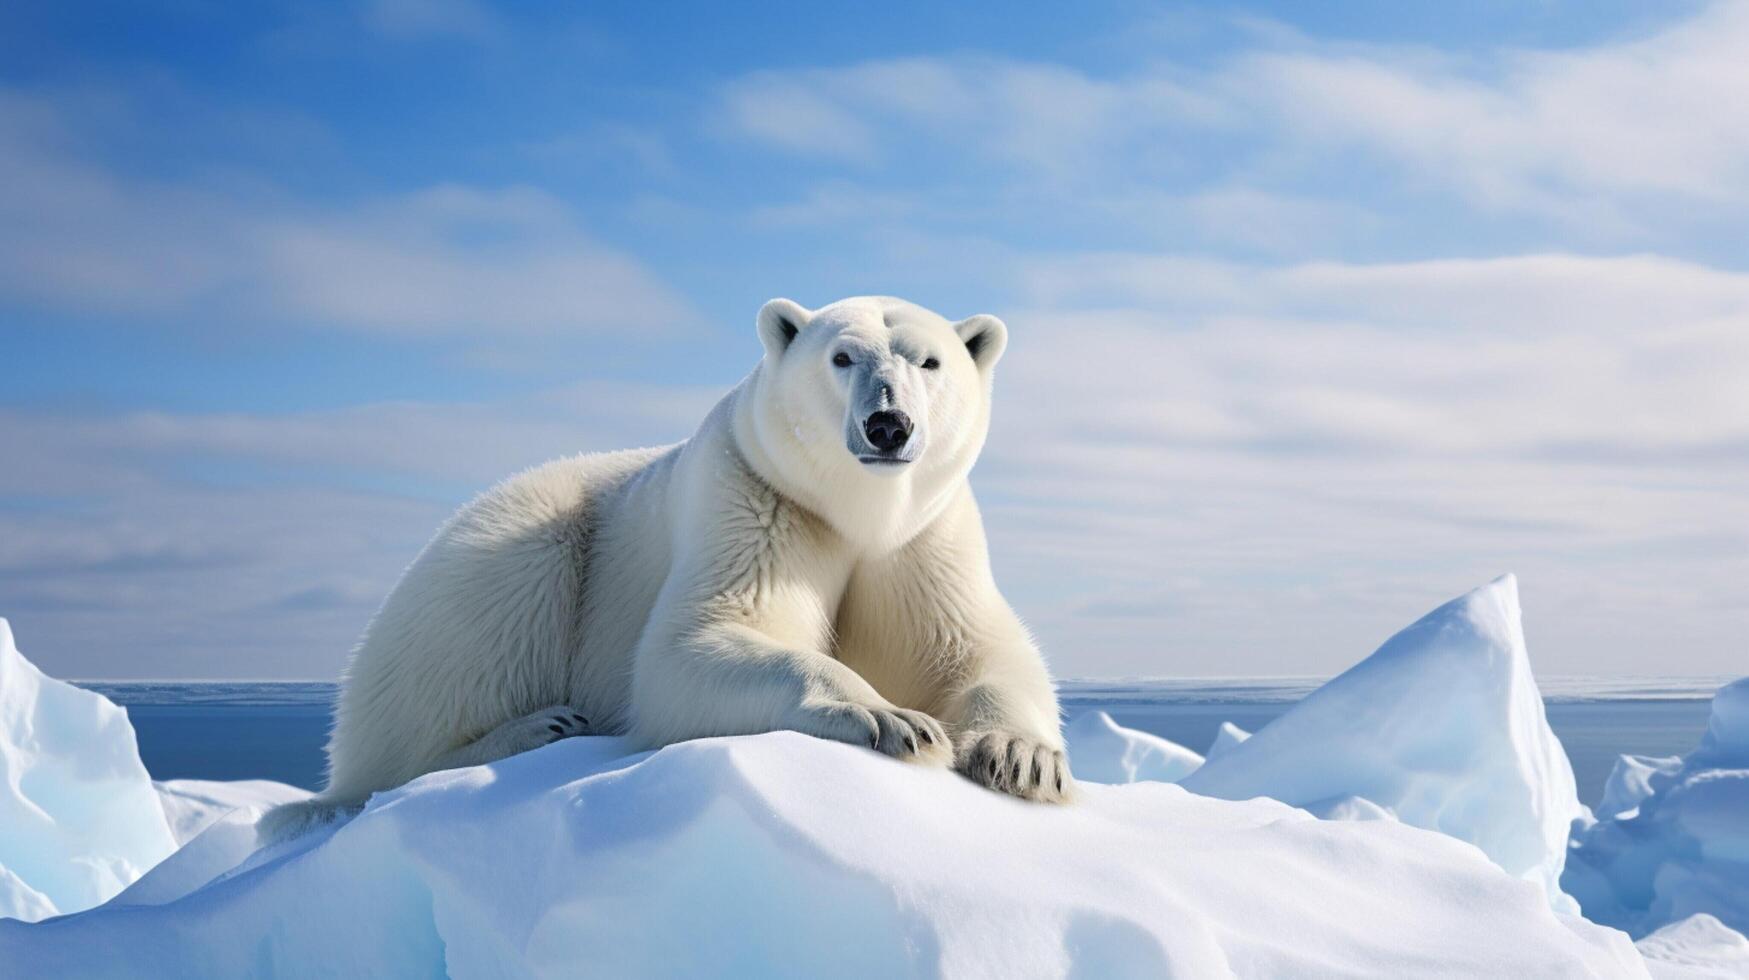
(811, 559)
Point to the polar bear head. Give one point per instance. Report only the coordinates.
(870, 404)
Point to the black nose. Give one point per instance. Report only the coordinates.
(887, 431)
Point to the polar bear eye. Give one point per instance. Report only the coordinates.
(841, 359)
(931, 364)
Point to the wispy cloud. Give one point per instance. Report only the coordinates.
(1658, 115)
(1652, 122)
(450, 259)
(1029, 116)
(260, 544)
(1325, 441)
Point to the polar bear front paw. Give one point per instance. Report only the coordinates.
(898, 732)
(538, 728)
(1016, 764)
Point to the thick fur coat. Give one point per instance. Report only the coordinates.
(811, 559)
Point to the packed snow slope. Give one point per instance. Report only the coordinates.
(1674, 841)
(79, 818)
(783, 855)
(1699, 947)
(214, 824)
(1442, 728)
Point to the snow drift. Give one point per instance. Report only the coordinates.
(1442, 727)
(1696, 948)
(782, 855)
(214, 824)
(1680, 844)
(79, 819)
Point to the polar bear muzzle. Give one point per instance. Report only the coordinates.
(887, 432)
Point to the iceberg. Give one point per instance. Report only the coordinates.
(79, 818)
(1630, 781)
(1442, 727)
(1102, 751)
(1227, 736)
(1726, 742)
(783, 855)
(1682, 849)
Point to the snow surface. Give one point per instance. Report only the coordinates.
(782, 855)
(1442, 728)
(1683, 848)
(79, 819)
(193, 805)
(214, 824)
(1699, 947)
(1102, 751)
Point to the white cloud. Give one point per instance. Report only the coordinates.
(1661, 115)
(1608, 137)
(1341, 445)
(457, 259)
(447, 259)
(1034, 117)
(156, 544)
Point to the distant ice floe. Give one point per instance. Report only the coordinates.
(79, 819)
(1674, 840)
(1226, 737)
(1631, 781)
(1102, 751)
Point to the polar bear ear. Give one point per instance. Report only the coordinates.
(985, 338)
(779, 322)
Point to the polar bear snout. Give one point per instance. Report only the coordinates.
(887, 431)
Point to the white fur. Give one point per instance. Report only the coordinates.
(757, 577)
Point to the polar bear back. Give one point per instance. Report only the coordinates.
(486, 622)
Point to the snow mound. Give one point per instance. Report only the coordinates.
(79, 819)
(1699, 947)
(783, 855)
(193, 805)
(1227, 736)
(1442, 728)
(214, 824)
(1683, 848)
(1102, 751)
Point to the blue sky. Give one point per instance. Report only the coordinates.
(1320, 314)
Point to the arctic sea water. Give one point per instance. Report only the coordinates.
(240, 730)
